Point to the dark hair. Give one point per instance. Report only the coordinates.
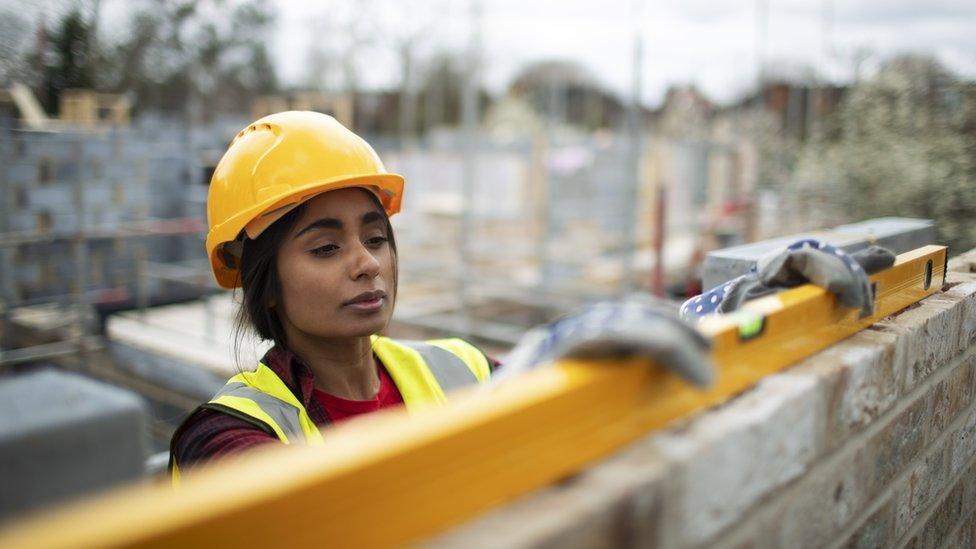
(260, 284)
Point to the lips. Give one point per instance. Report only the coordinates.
(367, 299)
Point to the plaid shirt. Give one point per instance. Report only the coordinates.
(208, 434)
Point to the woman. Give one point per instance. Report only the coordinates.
(298, 211)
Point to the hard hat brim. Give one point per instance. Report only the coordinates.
(388, 188)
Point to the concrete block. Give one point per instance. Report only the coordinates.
(895, 233)
(930, 331)
(728, 460)
(895, 446)
(98, 146)
(22, 221)
(38, 145)
(93, 168)
(96, 193)
(125, 172)
(65, 222)
(64, 436)
(877, 530)
(823, 503)
(21, 173)
(103, 216)
(48, 196)
(920, 490)
(30, 272)
(67, 170)
(898, 234)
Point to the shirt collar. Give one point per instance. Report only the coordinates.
(291, 370)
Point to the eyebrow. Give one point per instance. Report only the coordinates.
(333, 223)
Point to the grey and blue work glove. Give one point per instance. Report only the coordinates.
(805, 261)
(614, 330)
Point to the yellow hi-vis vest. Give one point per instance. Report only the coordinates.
(422, 371)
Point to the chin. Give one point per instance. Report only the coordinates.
(368, 327)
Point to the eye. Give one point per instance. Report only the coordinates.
(325, 250)
(376, 241)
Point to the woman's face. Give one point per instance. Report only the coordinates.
(336, 269)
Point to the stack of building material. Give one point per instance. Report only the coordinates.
(898, 234)
(64, 436)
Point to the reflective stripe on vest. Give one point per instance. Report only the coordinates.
(449, 370)
(280, 416)
(424, 370)
(472, 356)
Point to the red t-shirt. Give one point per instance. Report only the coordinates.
(339, 409)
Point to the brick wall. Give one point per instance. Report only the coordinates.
(869, 443)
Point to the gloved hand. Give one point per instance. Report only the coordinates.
(617, 329)
(804, 261)
(827, 267)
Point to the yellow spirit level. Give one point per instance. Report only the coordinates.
(389, 479)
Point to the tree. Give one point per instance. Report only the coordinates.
(440, 86)
(902, 143)
(341, 40)
(14, 42)
(568, 93)
(69, 59)
(205, 56)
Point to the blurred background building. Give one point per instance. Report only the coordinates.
(553, 153)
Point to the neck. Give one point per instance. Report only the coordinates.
(342, 367)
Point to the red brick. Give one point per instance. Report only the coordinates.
(820, 505)
(860, 378)
(616, 503)
(895, 446)
(920, 490)
(963, 443)
(877, 530)
(942, 521)
(951, 395)
(928, 338)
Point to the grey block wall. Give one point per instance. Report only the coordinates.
(64, 436)
(125, 175)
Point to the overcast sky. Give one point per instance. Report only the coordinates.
(713, 44)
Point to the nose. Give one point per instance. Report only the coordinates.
(364, 264)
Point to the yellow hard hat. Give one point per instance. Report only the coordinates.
(275, 164)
